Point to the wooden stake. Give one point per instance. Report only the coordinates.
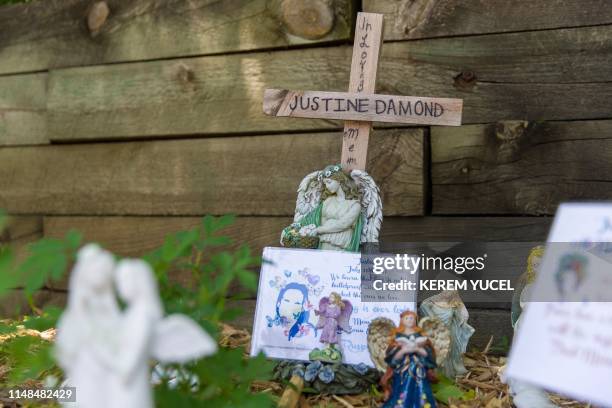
(366, 50)
(291, 395)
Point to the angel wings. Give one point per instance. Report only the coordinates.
(105, 350)
(382, 329)
(333, 317)
(357, 186)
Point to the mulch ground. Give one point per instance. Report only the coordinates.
(483, 377)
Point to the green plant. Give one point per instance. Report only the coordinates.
(213, 275)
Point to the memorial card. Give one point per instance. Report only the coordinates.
(292, 284)
(564, 338)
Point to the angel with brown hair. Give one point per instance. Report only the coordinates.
(408, 358)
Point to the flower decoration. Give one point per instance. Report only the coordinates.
(326, 374)
(361, 368)
(312, 370)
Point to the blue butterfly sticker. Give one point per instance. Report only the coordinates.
(273, 322)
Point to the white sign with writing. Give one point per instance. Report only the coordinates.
(565, 345)
(291, 284)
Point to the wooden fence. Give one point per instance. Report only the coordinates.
(131, 124)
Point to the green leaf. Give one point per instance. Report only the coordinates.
(445, 388)
(178, 245)
(48, 260)
(31, 357)
(45, 321)
(212, 224)
(8, 278)
(247, 278)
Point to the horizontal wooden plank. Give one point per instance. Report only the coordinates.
(14, 304)
(471, 229)
(22, 228)
(57, 33)
(409, 19)
(499, 77)
(136, 236)
(365, 108)
(23, 109)
(487, 323)
(520, 167)
(255, 175)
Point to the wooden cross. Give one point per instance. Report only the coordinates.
(360, 106)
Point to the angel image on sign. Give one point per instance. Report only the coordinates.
(104, 352)
(334, 314)
(409, 359)
(335, 211)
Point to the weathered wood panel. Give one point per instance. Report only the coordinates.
(20, 232)
(135, 236)
(454, 229)
(255, 175)
(23, 109)
(55, 33)
(412, 19)
(15, 304)
(520, 167)
(543, 75)
(22, 228)
(487, 323)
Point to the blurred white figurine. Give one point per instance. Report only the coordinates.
(86, 331)
(449, 308)
(106, 353)
(147, 334)
(525, 395)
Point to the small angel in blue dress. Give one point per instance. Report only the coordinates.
(407, 356)
(334, 314)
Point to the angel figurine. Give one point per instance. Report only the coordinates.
(105, 353)
(525, 395)
(449, 308)
(409, 359)
(146, 334)
(334, 314)
(335, 211)
(86, 329)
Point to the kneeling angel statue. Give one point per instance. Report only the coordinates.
(335, 211)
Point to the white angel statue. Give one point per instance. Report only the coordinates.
(341, 211)
(449, 308)
(86, 332)
(105, 353)
(146, 334)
